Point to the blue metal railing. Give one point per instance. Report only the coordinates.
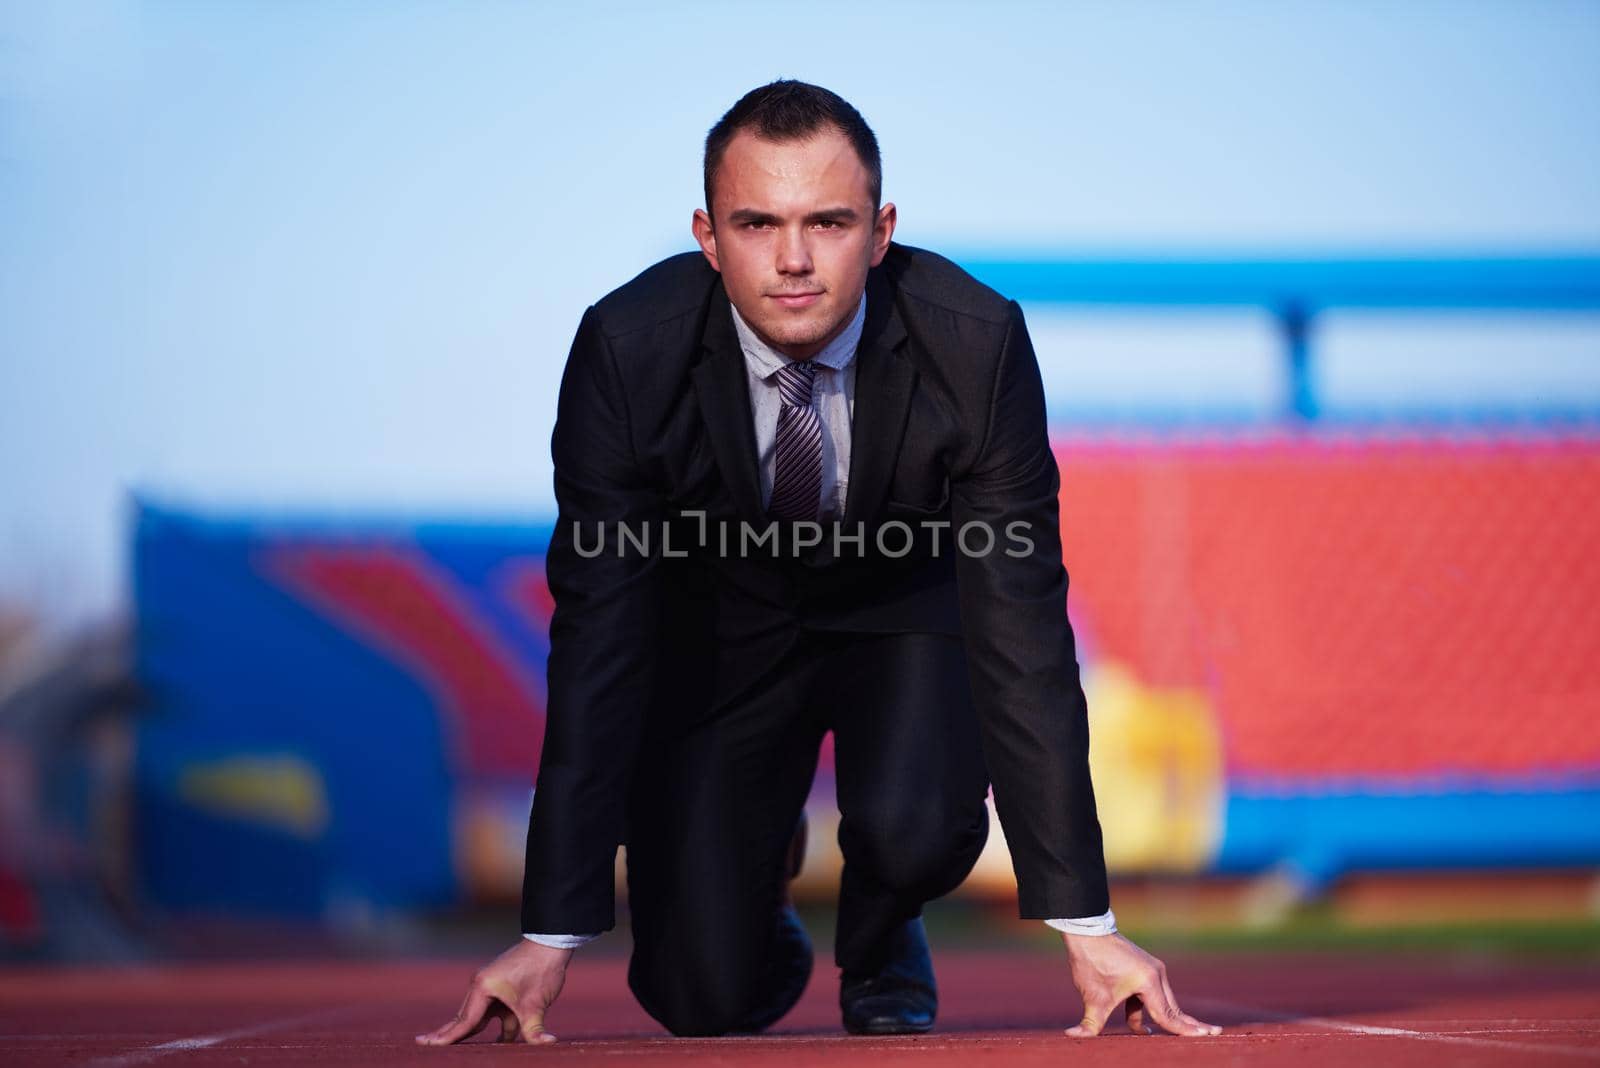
(1295, 289)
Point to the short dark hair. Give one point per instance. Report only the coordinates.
(788, 110)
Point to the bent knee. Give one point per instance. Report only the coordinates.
(687, 1008)
(697, 1001)
(925, 856)
(699, 1022)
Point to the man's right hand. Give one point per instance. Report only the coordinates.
(517, 988)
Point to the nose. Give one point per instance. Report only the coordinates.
(794, 252)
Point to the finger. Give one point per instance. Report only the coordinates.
(1154, 994)
(1166, 986)
(533, 1031)
(1095, 1014)
(468, 1022)
(1133, 1009)
(510, 1030)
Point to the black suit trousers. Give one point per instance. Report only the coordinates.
(717, 805)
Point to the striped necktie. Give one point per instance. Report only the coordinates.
(797, 467)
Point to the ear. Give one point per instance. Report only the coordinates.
(705, 236)
(882, 232)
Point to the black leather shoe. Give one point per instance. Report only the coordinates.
(788, 972)
(900, 998)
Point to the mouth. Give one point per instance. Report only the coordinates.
(797, 300)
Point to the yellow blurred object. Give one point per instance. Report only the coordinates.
(284, 792)
(1156, 758)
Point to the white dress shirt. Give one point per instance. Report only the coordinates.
(834, 394)
(833, 391)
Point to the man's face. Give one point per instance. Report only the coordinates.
(793, 236)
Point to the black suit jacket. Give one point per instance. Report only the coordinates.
(654, 422)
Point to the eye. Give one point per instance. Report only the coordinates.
(828, 224)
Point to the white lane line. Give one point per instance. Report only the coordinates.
(1213, 1005)
(180, 1045)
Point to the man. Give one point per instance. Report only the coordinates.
(838, 447)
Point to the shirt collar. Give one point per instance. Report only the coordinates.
(764, 361)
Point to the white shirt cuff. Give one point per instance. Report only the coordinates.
(561, 941)
(1088, 925)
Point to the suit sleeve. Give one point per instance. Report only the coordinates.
(1020, 648)
(603, 637)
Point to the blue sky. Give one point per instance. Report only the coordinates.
(328, 257)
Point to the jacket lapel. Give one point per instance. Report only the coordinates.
(724, 391)
(884, 383)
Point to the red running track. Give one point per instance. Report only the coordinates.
(997, 1009)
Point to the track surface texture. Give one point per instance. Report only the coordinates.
(997, 1009)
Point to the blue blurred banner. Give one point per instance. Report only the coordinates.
(340, 714)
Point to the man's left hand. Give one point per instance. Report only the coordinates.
(1108, 971)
